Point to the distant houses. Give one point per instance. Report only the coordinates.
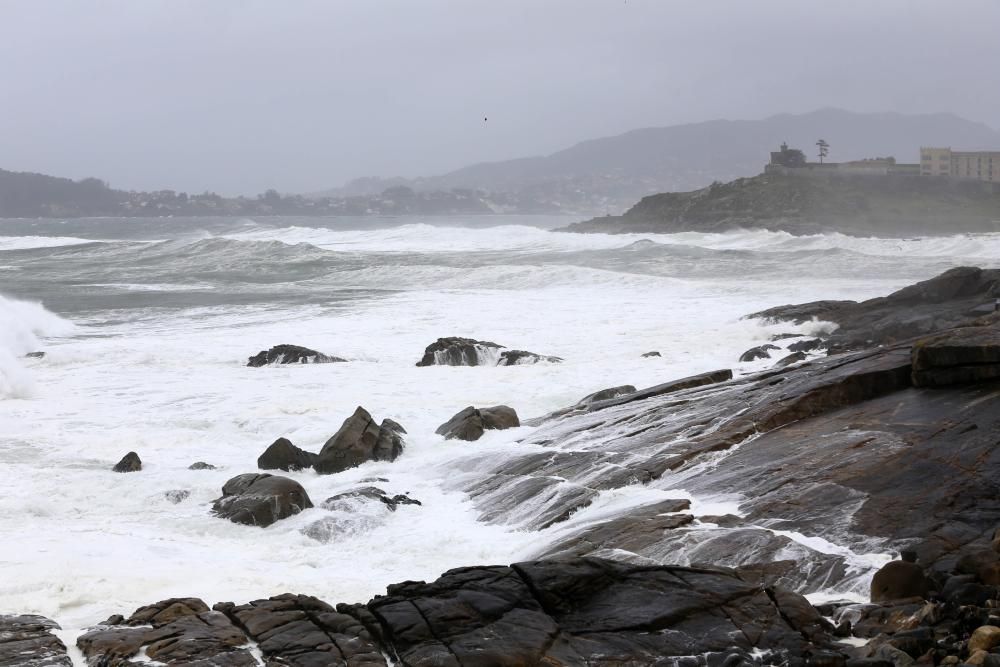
(974, 165)
(787, 160)
(965, 165)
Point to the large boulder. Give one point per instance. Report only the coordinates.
(283, 455)
(290, 354)
(129, 463)
(898, 580)
(260, 499)
(470, 423)
(359, 440)
(455, 351)
(28, 641)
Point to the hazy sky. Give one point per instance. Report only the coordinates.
(241, 95)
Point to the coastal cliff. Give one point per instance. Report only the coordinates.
(863, 205)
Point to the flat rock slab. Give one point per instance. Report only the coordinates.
(27, 641)
(969, 354)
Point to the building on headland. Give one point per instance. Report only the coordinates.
(793, 161)
(974, 165)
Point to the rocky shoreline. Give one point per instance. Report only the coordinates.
(889, 444)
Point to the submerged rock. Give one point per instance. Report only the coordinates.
(606, 394)
(346, 500)
(806, 345)
(129, 463)
(201, 465)
(759, 352)
(28, 641)
(470, 423)
(260, 499)
(455, 351)
(654, 353)
(35, 355)
(793, 358)
(283, 455)
(290, 354)
(359, 440)
(521, 358)
(176, 496)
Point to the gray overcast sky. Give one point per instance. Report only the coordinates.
(241, 95)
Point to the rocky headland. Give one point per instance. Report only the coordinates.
(880, 447)
(862, 205)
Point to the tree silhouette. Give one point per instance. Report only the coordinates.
(824, 149)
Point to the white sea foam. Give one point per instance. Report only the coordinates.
(25, 242)
(22, 326)
(171, 384)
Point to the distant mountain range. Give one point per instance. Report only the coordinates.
(594, 177)
(612, 173)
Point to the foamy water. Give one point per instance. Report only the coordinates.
(147, 330)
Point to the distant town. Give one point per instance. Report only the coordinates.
(941, 162)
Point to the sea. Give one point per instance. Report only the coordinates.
(147, 324)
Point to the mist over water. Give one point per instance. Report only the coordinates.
(147, 325)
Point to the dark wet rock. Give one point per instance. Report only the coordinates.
(176, 496)
(897, 580)
(360, 440)
(606, 394)
(640, 529)
(590, 611)
(792, 358)
(260, 499)
(27, 641)
(806, 345)
(841, 447)
(521, 358)
(344, 500)
(470, 423)
(456, 351)
(185, 636)
(785, 336)
(35, 355)
(654, 353)
(201, 465)
(166, 611)
(946, 301)
(803, 312)
(283, 455)
(129, 463)
(354, 512)
(389, 444)
(290, 354)
(965, 355)
(759, 352)
(302, 630)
